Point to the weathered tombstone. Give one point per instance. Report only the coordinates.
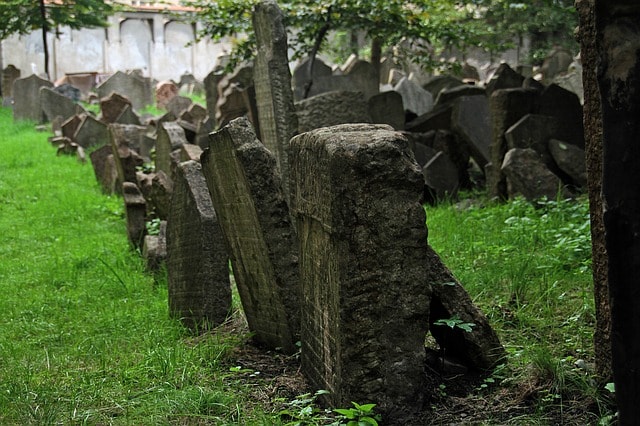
(112, 106)
(441, 176)
(453, 93)
(565, 107)
(504, 78)
(527, 175)
(165, 91)
(304, 78)
(471, 121)
(422, 146)
(387, 108)
(363, 239)
(363, 77)
(127, 161)
(507, 106)
(440, 82)
(91, 132)
(26, 98)
(572, 81)
(129, 135)
(202, 132)
(138, 89)
(457, 151)
(128, 116)
(170, 137)
(194, 114)
(231, 104)
(179, 104)
(135, 212)
(154, 249)
(556, 62)
(53, 105)
(104, 167)
(331, 108)
(160, 194)
(211, 82)
(9, 75)
(247, 195)
(438, 118)
(414, 98)
(69, 127)
(68, 91)
(197, 261)
(571, 160)
(272, 80)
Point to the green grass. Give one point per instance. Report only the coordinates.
(84, 332)
(85, 336)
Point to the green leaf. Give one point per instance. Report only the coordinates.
(611, 387)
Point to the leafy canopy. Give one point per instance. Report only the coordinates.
(24, 16)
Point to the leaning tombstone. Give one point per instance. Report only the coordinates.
(504, 78)
(69, 127)
(527, 175)
(104, 168)
(138, 89)
(135, 212)
(170, 137)
(415, 99)
(211, 90)
(91, 132)
(178, 104)
(304, 78)
(112, 106)
(247, 194)
(53, 105)
(272, 80)
(26, 98)
(160, 194)
(471, 121)
(387, 108)
(197, 261)
(9, 75)
(357, 207)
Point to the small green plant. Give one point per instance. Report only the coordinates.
(304, 411)
(358, 415)
(153, 226)
(455, 322)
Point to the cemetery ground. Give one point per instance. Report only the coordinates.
(85, 335)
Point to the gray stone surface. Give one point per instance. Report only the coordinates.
(154, 249)
(387, 108)
(272, 80)
(534, 131)
(246, 191)
(91, 132)
(527, 175)
(453, 93)
(571, 160)
(137, 89)
(331, 108)
(441, 176)
(438, 118)
(112, 106)
(9, 75)
(211, 91)
(178, 104)
(414, 98)
(302, 76)
(160, 193)
(170, 137)
(54, 105)
(363, 240)
(135, 212)
(504, 78)
(26, 98)
(471, 121)
(197, 260)
(565, 107)
(104, 167)
(439, 83)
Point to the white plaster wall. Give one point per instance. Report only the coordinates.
(147, 41)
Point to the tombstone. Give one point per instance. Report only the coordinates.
(451, 94)
(83, 81)
(211, 91)
(170, 136)
(147, 145)
(364, 78)
(26, 98)
(414, 98)
(69, 127)
(56, 125)
(190, 152)
(481, 348)
(564, 106)
(154, 249)
(104, 167)
(469, 72)
(135, 212)
(572, 81)
(331, 108)
(387, 108)
(571, 160)
(471, 121)
(69, 91)
(197, 261)
(128, 116)
(91, 132)
(395, 75)
(137, 89)
(457, 152)
(527, 175)
(534, 131)
(532, 83)
(555, 63)
(178, 104)
(129, 135)
(231, 104)
(112, 106)
(202, 132)
(247, 195)
(9, 75)
(422, 146)
(440, 82)
(507, 106)
(504, 78)
(160, 194)
(438, 118)
(127, 161)
(361, 224)
(194, 114)
(441, 176)
(272, 80)
(303, 81)
(53, 105)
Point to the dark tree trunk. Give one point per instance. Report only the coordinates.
(376, 53)
(618, 51)
(45, 29)
(593, 148)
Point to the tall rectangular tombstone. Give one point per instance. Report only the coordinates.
(365, 306)
(246, 191)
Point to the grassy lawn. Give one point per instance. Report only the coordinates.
(85, 336)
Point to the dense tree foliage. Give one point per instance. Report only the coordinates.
(421, 27)
(25, 16)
